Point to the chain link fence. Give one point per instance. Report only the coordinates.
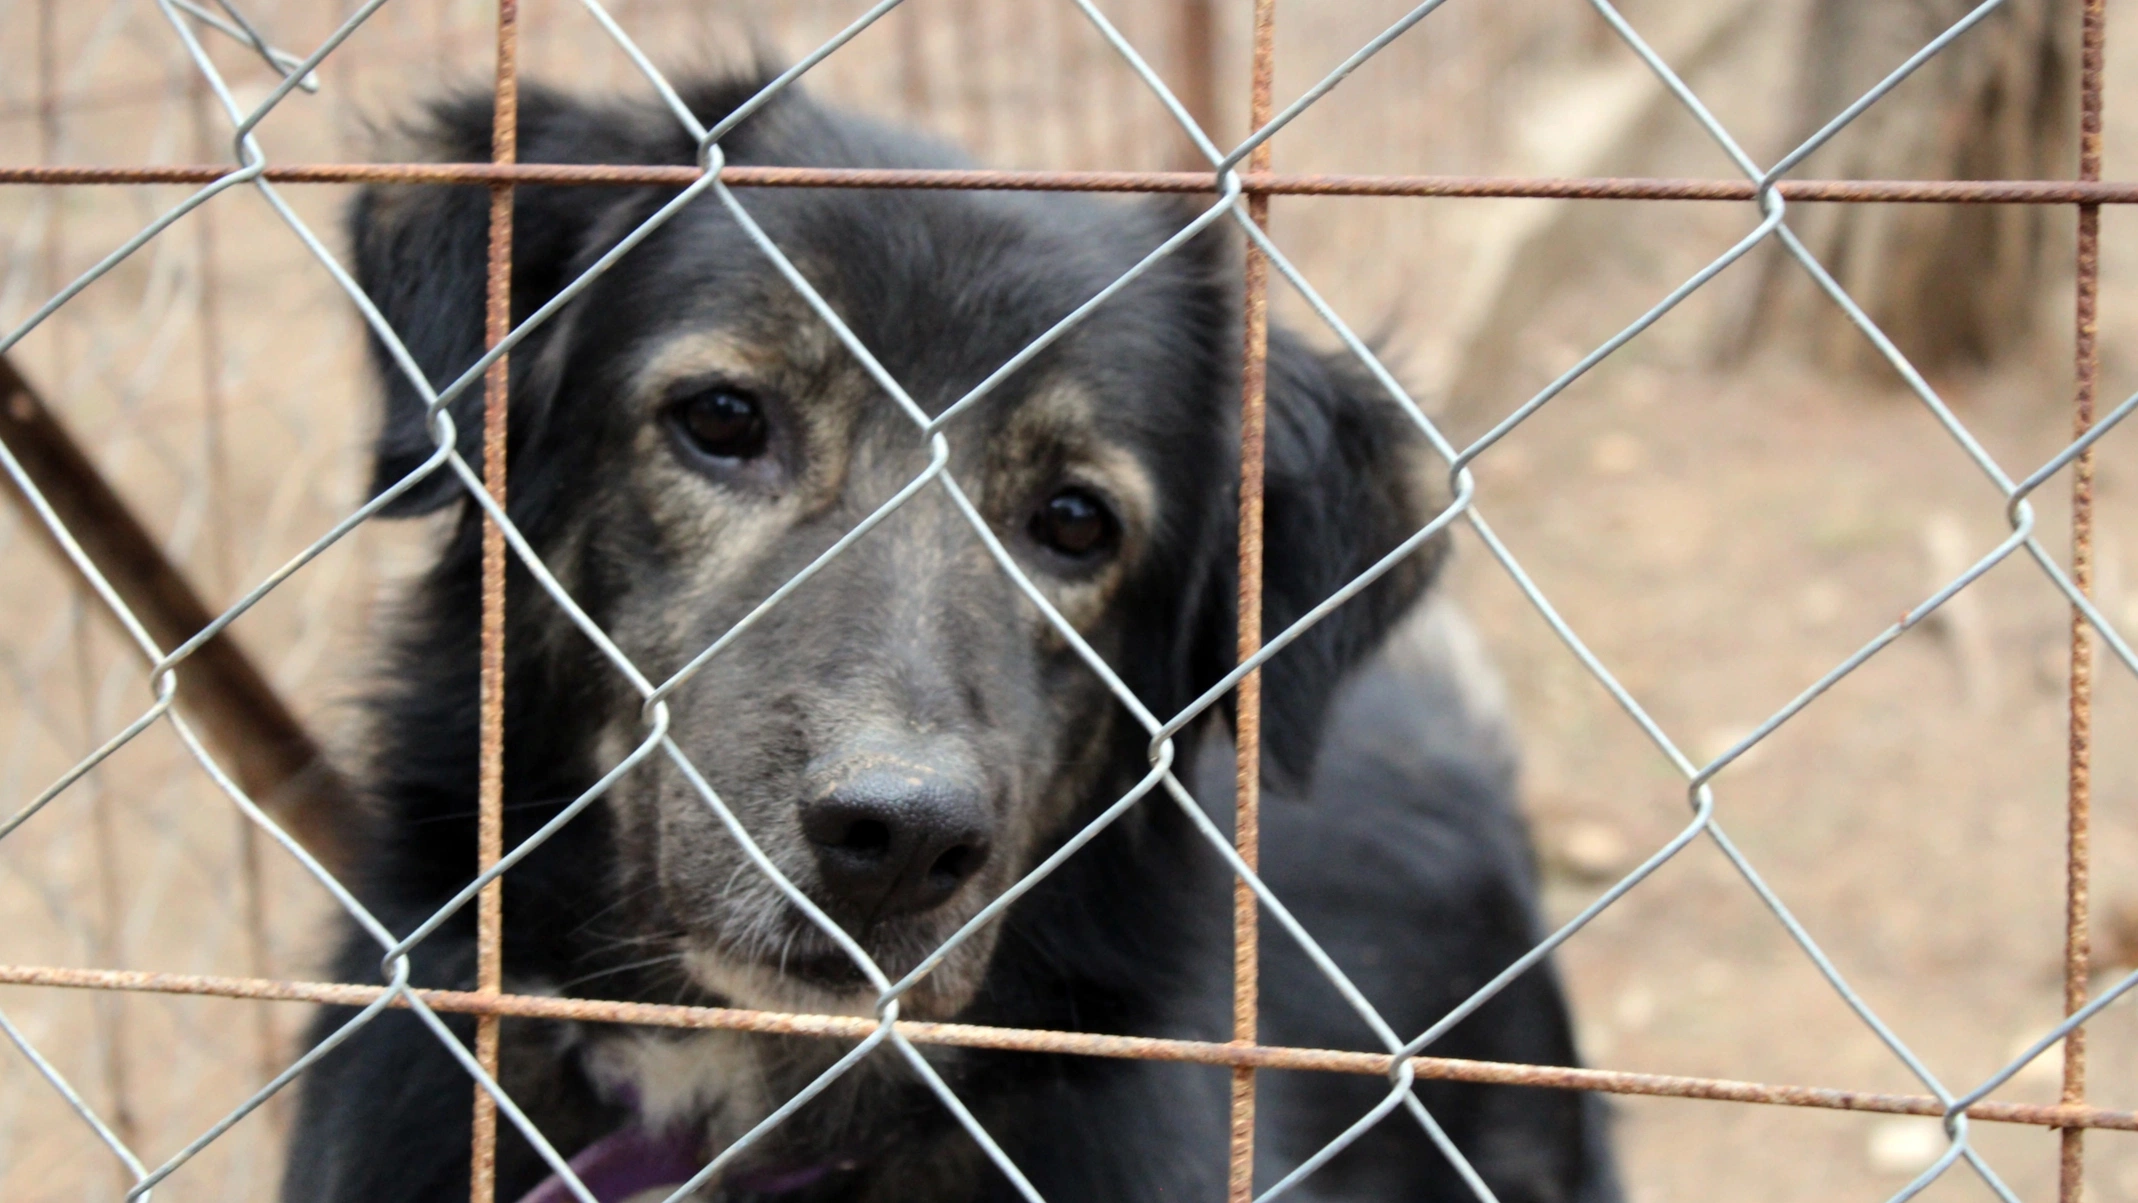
(182, 322)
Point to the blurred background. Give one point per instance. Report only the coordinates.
(1724, 509)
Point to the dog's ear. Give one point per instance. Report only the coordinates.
(421, 251)
(1348, 478)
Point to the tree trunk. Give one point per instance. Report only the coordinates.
(1951, 285)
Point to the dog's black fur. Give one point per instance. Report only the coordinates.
(1388, 824)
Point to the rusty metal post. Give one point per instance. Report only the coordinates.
(490, 787)
(1082, 1044)
(2078, 952)
(1247, 767)
(1189, 183)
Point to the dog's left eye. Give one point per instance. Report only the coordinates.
(722, 423)
(1076, 523)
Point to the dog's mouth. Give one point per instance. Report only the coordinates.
(806, 970)
(896, 946)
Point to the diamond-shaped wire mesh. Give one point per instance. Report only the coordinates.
(310, 564)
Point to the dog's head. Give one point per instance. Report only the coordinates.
(903, 733)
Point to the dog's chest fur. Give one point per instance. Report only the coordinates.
(715, 1087)
(716, 1080)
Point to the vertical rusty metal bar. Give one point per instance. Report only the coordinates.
(1247, 767)
(2078, 951)
(490, 797)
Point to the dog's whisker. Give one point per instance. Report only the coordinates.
(622, 900)
(785, 947)
(615, 970)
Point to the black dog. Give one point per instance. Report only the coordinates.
(904, 735)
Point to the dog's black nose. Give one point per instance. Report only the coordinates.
(891, 841)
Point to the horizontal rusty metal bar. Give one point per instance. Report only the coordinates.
(1085, 1044)
(1970, 192)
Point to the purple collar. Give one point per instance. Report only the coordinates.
(624, 1163)
(632, 1160)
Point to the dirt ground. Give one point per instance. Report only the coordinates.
(1911, 818)
(1721, 530)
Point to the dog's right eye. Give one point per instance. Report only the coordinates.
(722, 423)
(1077, 524)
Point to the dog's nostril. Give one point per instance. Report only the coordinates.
(867, 837)
(954, 866)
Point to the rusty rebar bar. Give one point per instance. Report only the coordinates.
(1247, 701)
(1936, 192)
(1082, 1044)
(490, 789)
(2078, 952)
